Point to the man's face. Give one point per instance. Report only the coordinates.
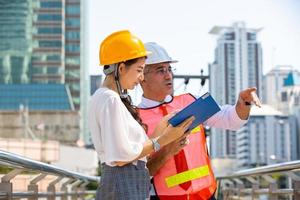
(158, 81)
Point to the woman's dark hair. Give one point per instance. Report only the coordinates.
(128, 102)
(133, 111)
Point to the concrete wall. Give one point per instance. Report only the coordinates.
(45, 151)
(45, 125)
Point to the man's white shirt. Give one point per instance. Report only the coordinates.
(226, 118)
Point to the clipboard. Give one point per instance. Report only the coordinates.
(202, 108)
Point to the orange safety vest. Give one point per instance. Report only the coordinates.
(167, 180)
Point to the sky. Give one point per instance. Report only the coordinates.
(182, 27)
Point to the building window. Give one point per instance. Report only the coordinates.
(283, 96)
(39, 70)
(73, 22)
(17, 68)
(54, 70)
(49, 17)
(296, 100)
(50, 44)
(50, 4)
(53, 58)
(72, 10)
(49, 30)
(72, 35)
(72, 73)
(72, 48)
(72, 60)
(229, 36)
(251, 36)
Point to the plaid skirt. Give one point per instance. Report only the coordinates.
(129, 182)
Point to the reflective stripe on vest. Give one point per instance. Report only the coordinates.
(187, 176)
(196, 130)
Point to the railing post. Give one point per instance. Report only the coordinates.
(75, 189)
(6, 186)
(254, 193)
(296, 187)
(219, 192)
(64, 189)
(272, 187)
(240, 186)
(255, 186)
(51, 188)
(34, 187)
(83, 189)
(295, 184)
(228, 191)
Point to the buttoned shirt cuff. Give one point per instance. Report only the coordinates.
(236, 119)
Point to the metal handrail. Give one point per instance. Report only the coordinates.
(287, 166)
(20, 164)
(17, 161)
(251, 183)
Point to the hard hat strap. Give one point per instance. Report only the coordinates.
(122, 93)
(110, 69)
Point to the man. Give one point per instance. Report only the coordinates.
(182, 169)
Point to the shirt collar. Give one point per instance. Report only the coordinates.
(148, 103)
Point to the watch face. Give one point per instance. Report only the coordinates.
(156, 146)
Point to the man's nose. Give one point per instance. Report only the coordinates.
(168, 74)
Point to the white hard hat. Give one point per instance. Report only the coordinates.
(158, 54)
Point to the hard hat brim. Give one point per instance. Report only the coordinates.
(163, 61)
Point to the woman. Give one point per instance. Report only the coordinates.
(117, 130)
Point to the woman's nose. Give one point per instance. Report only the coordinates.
(141, 78)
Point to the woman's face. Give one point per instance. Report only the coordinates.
(132, 75)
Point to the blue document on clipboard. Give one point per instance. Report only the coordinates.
(202, 108)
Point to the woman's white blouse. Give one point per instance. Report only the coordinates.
(116, 135)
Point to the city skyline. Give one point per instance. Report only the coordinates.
(186, 36)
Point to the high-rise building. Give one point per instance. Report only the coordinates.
(40, 43)
(289, 94)
(237, 65)
(282, 92)
(95, 83)
(273, 83)
(269, 137)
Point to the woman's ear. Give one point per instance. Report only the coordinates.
(122, 68)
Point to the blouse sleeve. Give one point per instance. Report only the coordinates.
(117, 141)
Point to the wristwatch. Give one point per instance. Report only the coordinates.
(156, 145)
(246, 103)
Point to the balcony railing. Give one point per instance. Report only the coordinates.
(272, 182)
(64, 185)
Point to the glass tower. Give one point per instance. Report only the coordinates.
(40, 42)
(15, 41)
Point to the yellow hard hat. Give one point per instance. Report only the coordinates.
(121, 46)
